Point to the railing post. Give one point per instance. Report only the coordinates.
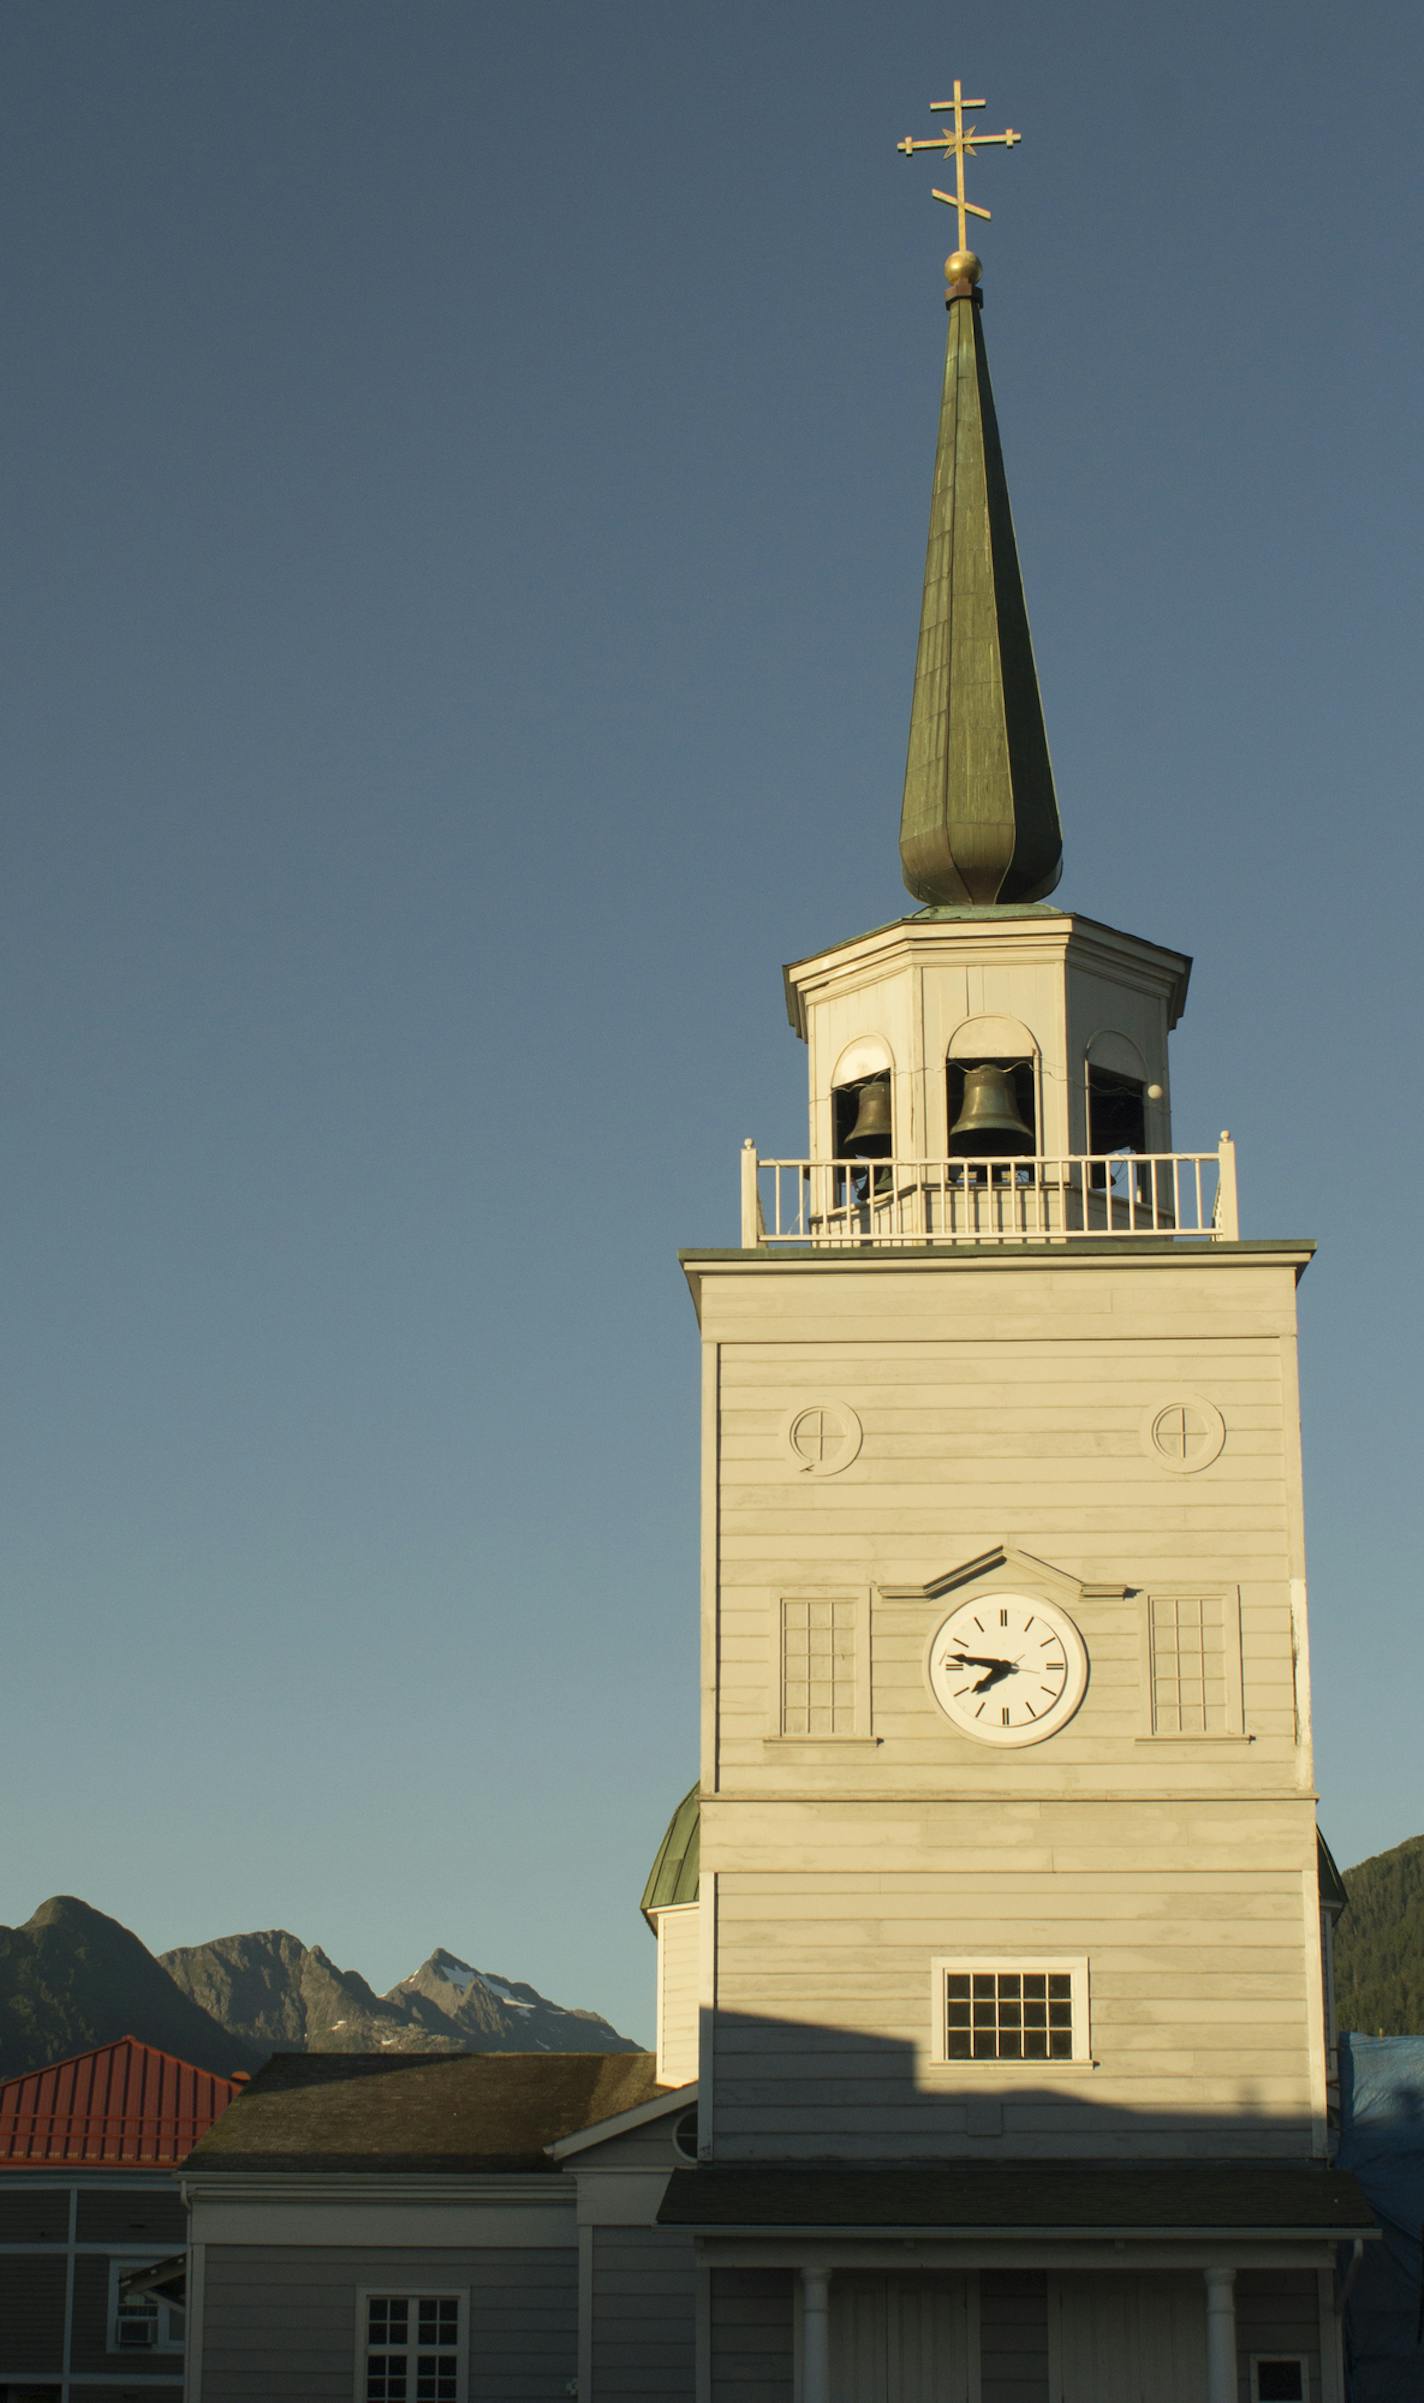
(1228, 1208)
(751, 1210)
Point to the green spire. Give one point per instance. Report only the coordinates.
(980, 822)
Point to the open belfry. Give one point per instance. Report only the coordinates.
(996, 1932)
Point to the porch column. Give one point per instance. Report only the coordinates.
(1221, 2336)
(816, 2335)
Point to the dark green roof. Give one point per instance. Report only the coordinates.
(1138, 2198)
(420, 2111)
(674, 1874)
(1333, 1897)
(979, 822)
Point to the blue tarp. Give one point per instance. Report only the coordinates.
(1382, 2144)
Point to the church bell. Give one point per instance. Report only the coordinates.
(870, 1137)
(989, 1125)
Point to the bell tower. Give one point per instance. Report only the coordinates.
(1008, 1900)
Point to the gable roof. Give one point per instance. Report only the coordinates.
(626, 2123)
(374, 2112)
(123, 2105)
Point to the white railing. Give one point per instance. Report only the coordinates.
(1185, 1194)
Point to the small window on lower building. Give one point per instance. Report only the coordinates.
(1012, 2010)
(413, 2348)
(1278, 2378)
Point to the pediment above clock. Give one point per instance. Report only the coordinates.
(1005, 1564)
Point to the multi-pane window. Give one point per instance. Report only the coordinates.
(1195, 1665)
(412, 2349)
(818, 1665)
(1012, 2010)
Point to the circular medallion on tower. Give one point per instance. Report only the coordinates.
(821, 1437)
(1183, 1435)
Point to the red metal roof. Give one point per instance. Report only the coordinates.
(123, 2104)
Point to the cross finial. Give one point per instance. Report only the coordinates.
(959, 145)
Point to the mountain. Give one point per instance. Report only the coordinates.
(280, 1994)
(1379, 1945)
(495, 2015)
(285, 1996)
(71, 1979)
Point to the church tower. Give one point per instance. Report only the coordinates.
(1012, 2052)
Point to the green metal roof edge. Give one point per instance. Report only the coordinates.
(674, 1876)
(1334, 1895)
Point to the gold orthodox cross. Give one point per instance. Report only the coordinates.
(959, 145)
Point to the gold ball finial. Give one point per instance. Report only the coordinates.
(962, 267)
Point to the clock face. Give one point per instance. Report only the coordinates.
(1008, 1668)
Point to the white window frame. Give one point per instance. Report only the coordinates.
(1301, 2360)
(169, 2318)
(391, 2292)
(1073, 1965)
(858, 1596)
(1233, 1725)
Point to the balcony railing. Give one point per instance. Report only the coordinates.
(1188, 1195)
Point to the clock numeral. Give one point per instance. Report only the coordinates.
(1004, 1717)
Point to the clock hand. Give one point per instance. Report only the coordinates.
(993, 1670)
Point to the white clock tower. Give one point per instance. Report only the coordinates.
(1012, 2022)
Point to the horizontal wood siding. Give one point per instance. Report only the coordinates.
(1201, 2035)
(131, 2219)
(133, 2389)
(647, 2147)
(1013, 2339)
(280, 2326)
(644, 2316)
(30, 2216)
(31, 2312)
(752, 2336)
(1005, 1408)
(678, 1957)
(1278, 2311)
(90, 2335)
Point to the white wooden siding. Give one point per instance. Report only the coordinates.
(679, 1957)
(1278, 2311)
(752, 2335)
(280, 2325)
(1034, 1438)
(644, 2286)
(1201, 2030)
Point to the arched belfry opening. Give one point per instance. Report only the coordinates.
(863, 1102)
(993, 1077)
(1116, 1078)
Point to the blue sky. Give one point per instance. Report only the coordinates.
(465, 478)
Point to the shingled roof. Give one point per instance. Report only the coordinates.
(420, 2111)
(1120, 2198)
